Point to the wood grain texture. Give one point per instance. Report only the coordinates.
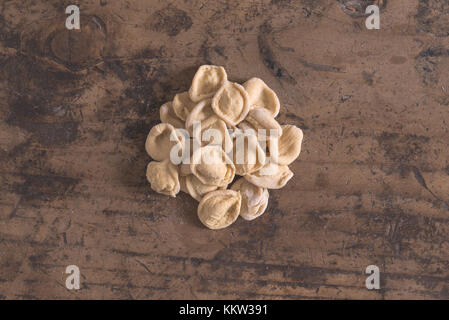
(371, 185)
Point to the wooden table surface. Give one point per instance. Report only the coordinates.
(371, 186)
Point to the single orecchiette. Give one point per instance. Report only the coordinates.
(248, 155)
(168, 115)
(289, 144)
(207, 80)
(182, 105)
(196, 188)
(200, 113)
(254, 199)
(212, 166)
(163, 177)
(219, 209)
(214, 132)
(261, 118)
(270, 176)
(260, 95)
(231, 103)
(159, 145)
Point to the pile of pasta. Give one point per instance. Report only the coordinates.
(233, 110)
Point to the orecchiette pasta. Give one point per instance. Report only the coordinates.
(206, 82)
(215, 131)
(196, 188)
(212, 166)
(182, 105)
(167, 115)
(200, 113)
(219, 209)
(270, 176)
(254, 199)
(260, 95)
(248, 155)
(289, 144)
(161, 139)
(261, 118)
(231, 103)
(244, 125)
(163, 177)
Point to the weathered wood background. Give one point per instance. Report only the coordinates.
(371, 185)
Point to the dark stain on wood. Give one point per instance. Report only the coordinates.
(268, 57)
(428, 65)
(171, 20)
(432, 17)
